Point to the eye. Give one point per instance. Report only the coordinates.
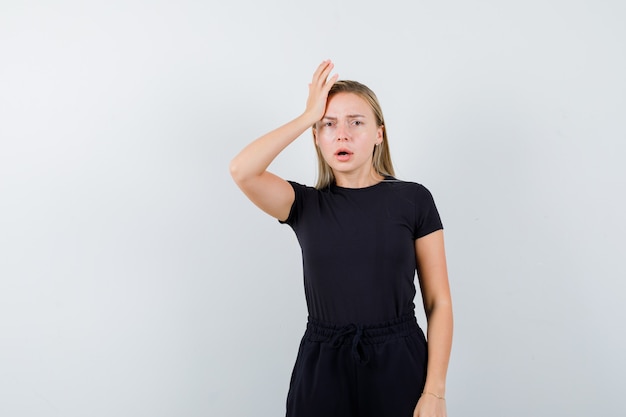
(357, 123)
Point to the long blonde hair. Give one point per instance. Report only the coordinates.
(381, 158)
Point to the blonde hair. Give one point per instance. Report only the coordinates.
(381, 158)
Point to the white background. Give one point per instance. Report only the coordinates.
(136, 280)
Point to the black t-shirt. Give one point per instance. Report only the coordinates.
(358, 248)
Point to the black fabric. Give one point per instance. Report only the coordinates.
(359, 371)
(358, 248)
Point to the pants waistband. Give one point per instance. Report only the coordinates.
(358, 335)
(370, 333)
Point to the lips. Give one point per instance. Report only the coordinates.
(343, 154)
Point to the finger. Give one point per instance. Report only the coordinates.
(319, 69)
(326, 73)
(320, 76)
(324, 83)
(326, 88)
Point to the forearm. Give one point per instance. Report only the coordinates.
(254, 159)
(440, 325)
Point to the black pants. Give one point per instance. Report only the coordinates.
(358, 371)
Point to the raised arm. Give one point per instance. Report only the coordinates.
(433, 278)
(269, 192)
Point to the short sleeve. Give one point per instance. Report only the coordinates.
(427, 219)
(298, 203)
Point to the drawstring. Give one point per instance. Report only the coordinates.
(357, 346)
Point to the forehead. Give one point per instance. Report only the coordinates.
(343, 103)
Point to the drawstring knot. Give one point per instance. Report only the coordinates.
(357, 347)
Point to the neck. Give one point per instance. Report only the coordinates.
(357, 180)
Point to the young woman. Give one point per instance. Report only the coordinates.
(364, 235)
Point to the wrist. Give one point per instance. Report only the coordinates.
(433, 394)
(309, 118)
(438, 390)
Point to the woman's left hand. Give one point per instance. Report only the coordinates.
(430, 406)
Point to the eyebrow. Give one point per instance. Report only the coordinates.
(350, 116)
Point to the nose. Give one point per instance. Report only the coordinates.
(341, 133)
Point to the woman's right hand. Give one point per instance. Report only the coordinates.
(269, 192)
(318, 90)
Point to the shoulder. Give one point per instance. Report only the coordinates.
(300, 188)
(420, 199)
(306, 193)
(409, 188)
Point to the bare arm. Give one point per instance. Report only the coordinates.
(269, 192)
(433, 277)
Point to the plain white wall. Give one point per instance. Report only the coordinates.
(136, 280)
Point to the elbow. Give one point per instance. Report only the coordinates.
(243, 173)
(235, 170)
(240, 174)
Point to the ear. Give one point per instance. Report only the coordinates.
(315, 137)
(379, 134)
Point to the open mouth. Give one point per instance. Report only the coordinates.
(343, 152)
(343, 155)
